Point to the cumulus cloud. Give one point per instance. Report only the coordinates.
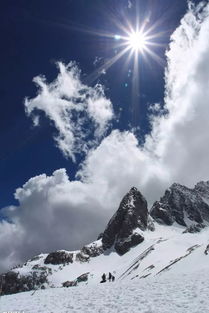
(179, 138)
(54, 213)
(73, 107)
(176, 150)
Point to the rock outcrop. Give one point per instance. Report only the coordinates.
(195, 228)
(59, 257)
(202, 188)
(13, 282)
(182, 205)
(89, 251)
(122, 231)
(68, 283)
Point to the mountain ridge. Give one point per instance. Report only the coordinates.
(131, 229)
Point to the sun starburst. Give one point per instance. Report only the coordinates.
(137, 41)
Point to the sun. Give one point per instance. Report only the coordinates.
(137, 41)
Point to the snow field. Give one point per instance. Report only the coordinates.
(160, 294)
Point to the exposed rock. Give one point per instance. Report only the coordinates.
(100, 236)
(132, 214)
(13, 282)
(82, 278)
(206, 250)
(41, 268)
(59, 257)
(178, 204)
(88, 251)
(82, 257)
(123, 245)
(68, 283)
(150, 223)
(195, 228)
(202, 188)
(92, 250)
(161, 212)
(35, 258)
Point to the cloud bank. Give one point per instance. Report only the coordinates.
(176, 150)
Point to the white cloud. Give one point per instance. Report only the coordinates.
(53, 213)
(71, 106)
(180, 138)
(176, 150)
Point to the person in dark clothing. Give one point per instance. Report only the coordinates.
(103, 278)
(113, 278)
(110, 277)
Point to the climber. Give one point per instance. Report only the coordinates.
(110, 276)
(103, 278)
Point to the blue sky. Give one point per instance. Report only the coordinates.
(36, 34)
(73, 146)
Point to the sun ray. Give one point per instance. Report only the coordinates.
(93, 76)
(139, 40)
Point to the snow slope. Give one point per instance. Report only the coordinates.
(168, 272)
(165, 294)
(159, 250)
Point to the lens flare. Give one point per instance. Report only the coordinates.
(137, 41)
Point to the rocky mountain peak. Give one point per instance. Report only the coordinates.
(132, 215)
(182, 205)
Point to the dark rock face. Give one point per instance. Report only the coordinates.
(122, 246)
(161, 212)
(59, 257)
(196, 228)
(178, 204)
(82, 257)
(68, 283)
(82, 278)
(92, 250)
(100, 236)
(79, 279)
(132, 214)
(202, 188)
(13, 282)
(89, 251)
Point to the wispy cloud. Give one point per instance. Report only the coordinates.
(72, 107)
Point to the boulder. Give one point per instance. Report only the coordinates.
(68, 283)
(82, 278)
(59, 257)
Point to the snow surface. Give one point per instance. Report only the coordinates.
(164, 294)
(167, 272)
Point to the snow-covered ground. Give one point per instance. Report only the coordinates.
(159, 249)
(160, 294)
(168, 272)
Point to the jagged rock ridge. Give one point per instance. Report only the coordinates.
(182, 205)
(132, 215)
